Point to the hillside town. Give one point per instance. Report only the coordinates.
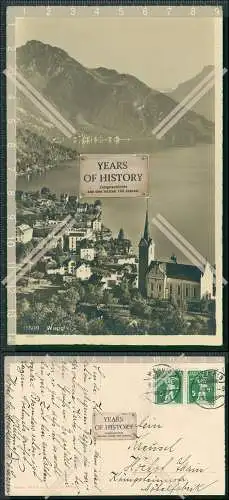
(89, 281)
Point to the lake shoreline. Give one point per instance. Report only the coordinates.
(41, 170)
(182, 189)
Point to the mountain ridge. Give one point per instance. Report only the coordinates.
(101, 100)
(206, 105)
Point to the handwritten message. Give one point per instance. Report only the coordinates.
(49, 442)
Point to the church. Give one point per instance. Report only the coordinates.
(159, 279)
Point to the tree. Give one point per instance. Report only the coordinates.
(195, 327)
(20, 251)
(93, 294)
(55, 299)
(116, 323)
(57, 316)
(53, 196)
(184, 305)
(45, 191)
(204, 304)
(174, 323)
(140, 308)
(194, 306)
(174, 301)
(71, 298)
(97, 207)
(37, 315)
(124, 292)
(78, 324)
(108, 298)
(58, 252)
(96, 327)
(173, 258)
(24, 306)
(100, 251)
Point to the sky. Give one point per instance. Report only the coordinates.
(160, 51)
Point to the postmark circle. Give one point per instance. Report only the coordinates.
(213, 390)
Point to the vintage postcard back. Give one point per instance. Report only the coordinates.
(114, 175)
(114, 426)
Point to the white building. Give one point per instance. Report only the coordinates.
(53, 222)
(87, 253)
(126, 260)
(77, 235)
(58, 270)
(24, 233)
(96, 225)
(79, 270)
(82, 208)
(105, 234)
(83, 272)
(111, 280)
(38, 225)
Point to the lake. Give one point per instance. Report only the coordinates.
(182, 190)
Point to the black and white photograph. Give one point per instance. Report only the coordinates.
(116, 263)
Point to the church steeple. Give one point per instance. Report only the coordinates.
(146, 256)
(146, 229)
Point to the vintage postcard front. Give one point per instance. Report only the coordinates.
(109, 426)
(114, 175)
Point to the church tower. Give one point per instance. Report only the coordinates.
(146, 256)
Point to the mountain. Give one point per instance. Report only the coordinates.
(206, 105)
(35, 153)
(103, 101)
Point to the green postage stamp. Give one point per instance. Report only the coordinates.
(168, 386)
(178, 386)
(202, 386)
